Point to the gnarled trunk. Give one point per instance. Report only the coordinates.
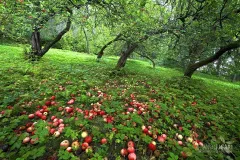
(36, 43)
(122, 60)
(193, 67)
(37, 49)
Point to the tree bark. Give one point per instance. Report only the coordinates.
(234, 78)
(193, 67)
(122, 60)
(101, 52)
(87, 41)
(36, 43)
(218, 67)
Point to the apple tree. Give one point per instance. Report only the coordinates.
(32, 16)
(208, 30)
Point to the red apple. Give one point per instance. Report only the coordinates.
(61, 125)
(60, 129)
(180, 128)
(131, 150)
(152, 146)
(31, 116)
(124, 152)
(38, 114)
(44, 107)
(149, 133)
(161, 139)
(55, 120)
(145, 130)
(88, 139)
(200, 144)
(130, 109)
(52, 130)
(130, 144)
(60, 121)
(69, 149)
(44, 117)
(103, 141)
(85, 145)
(180, 143)
(29, 124)
(53, 103)
(30, 129)
(53, 98)
(48, 103)
(102, 113)
(55, 124)
(69, 109)
(164, 136)
(195, 144)
(71, 101)
(26, 140)
(64, 144)
(132, 156)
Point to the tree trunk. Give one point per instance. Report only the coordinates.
(122, 60)
(87, 41)
(218, 67)
(36, 43)
(234, 78)
(101, 52)
(193, 67)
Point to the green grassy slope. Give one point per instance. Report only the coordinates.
(205, 106)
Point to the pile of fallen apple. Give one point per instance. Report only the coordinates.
(56, 126)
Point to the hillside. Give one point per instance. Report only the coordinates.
(197, 115)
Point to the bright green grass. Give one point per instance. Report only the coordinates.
(68, 59)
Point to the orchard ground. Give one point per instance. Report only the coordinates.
(187, 118)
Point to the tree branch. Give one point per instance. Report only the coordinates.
(221, 11)
(193, 67)
(101, 52)
(77, 6)
(60, 35)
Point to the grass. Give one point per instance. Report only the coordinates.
(203, 106)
